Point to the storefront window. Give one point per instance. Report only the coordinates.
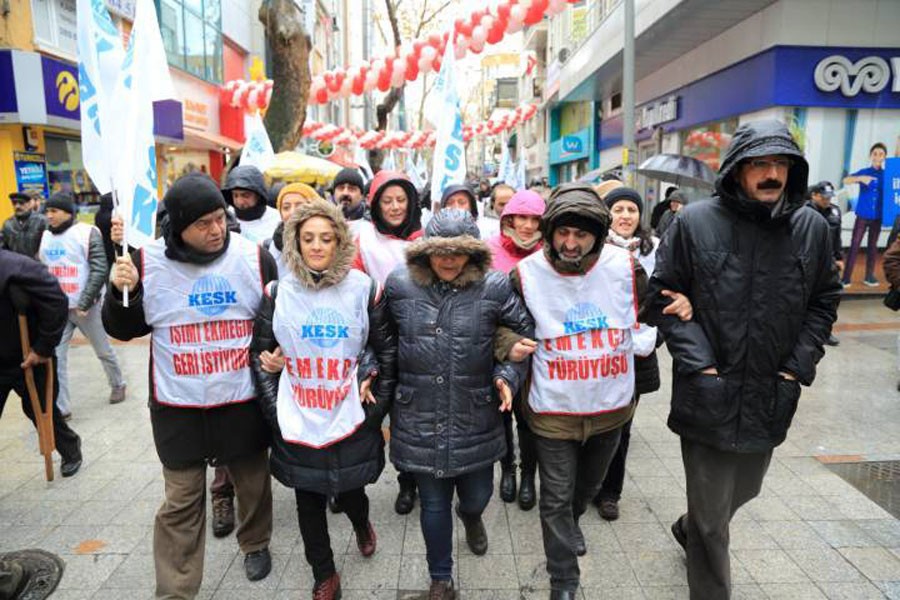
(709, 142)
(192, 35)
(65, 170)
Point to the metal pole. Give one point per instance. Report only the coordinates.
(628, 148)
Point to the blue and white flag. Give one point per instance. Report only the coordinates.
(412, 171)
(390, 162)
(449, 163)
(257, 150)
(100, 57)
(144, 77)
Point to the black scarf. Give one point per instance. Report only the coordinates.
(253, 213)
(63, 227)
(354, 214)
(177, 250)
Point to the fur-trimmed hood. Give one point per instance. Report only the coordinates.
(345, 252)
(451, 231)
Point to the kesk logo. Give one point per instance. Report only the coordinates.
(584, 317)
(54, 252)
(212, 295)
(67, 90)
(325, 327)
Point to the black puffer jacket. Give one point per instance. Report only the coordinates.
(246, 177)
(358, 459)
(764, 294)
(445, 419)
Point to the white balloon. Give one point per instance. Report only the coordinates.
(479, 35)
(429, 52)
(514, 25)
(556, 6)
(460, 50)
(371, 80)
(487, 22)
(346, 86)
(517, 13)
(424, 65)
(477, 46)
(526, 4)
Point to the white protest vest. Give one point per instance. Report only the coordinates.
(259, 230)
(202, 320)
(66, 256)
(584, 362)
(644, 336)
(380, 253)
(321, 333)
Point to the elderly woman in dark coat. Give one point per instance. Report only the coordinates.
(327, 325)
(446, 425)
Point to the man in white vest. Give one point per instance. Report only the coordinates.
(381, 247)
(196, 291)
(245, 190)
(74, 254)
(584, 303)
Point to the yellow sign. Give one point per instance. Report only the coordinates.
(67, 89)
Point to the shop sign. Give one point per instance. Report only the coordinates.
(573, 146)
(870, 74)
(61, 92)
(657, 113)
(9, 107)
(200, 102)
(31, 172)
(196, 114)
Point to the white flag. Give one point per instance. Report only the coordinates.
(521, 174)
(411, 171)
(258, 148)
(361, 158)
(143, 79)
(390, 163)
(449, 163)
(100, 57)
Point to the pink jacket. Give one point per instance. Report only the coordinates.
(506, 254)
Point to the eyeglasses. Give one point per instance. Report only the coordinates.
(764, 164)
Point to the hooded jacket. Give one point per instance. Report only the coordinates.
(358, 459)
(461, 187)
(764, 293)
(506, 253)
(582, 201)
(445, 419)
(258, 222)
(412, 225)
(187, 436)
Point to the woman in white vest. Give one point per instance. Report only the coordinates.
(381, 246)
(290, 198)
(196, 291)
(329, 325)
(74, 254)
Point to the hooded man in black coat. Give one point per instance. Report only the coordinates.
(757, 266)
(245, 190)
(196, 292)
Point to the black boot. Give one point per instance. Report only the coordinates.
(476, 534)
(527, 493)
(508, 483)
(406, 499)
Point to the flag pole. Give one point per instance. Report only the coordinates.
(115, 196)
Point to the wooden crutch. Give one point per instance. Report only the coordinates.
(43, 417)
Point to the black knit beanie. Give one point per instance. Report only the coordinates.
(189, 198)
(63, 201)
(348, 175)
(624, 193)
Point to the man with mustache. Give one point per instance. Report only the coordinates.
(758, 268)
(347, 190)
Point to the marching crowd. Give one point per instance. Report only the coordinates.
(284, 338)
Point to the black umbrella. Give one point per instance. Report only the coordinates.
(679, 170)
(598, 174)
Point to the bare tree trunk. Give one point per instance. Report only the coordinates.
(290, 45)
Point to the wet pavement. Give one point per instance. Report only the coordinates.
(810, 534)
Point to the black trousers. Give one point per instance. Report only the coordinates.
(615, 475)
(527, 450)
(311, 514)
(68, 444)
(718, 483)
(571, 474)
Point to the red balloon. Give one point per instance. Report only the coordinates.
(384, 79)
(503, 11)
(495, 33)
(412, 68)
(358, 86)
(322, 96)
(434, 40)
(476, 17)
(534, 14)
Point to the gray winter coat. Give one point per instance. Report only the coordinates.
(445, 419)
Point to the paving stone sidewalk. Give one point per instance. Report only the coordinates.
(809, 535)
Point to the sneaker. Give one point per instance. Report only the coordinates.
(70, 466)
(257, 565)
(871, 282)
(223, 515)
(845, 284)
(441, 589)
(117, 395)
(330, 589)
(608, 509)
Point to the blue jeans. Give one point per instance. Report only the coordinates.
(436, 517)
